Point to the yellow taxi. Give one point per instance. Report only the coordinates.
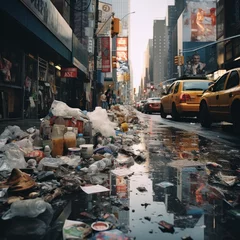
(183, 97)
(221, 102)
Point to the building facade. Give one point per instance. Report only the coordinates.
(160, 50)
(41, 60)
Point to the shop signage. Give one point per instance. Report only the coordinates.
(46, 12)
(69, 73)
(123, 72)
(105, 49)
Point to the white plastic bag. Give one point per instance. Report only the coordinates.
(14, 157)
(101, 122)
(61, 109)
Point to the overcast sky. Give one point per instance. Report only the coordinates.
(141, 29)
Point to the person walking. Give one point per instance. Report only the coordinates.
(103, 100)
(108, 96)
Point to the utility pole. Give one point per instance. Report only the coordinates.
(95, 59)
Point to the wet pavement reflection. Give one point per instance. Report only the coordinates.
(187, 181)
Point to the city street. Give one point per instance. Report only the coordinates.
(174, 185)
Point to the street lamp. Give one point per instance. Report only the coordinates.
(126, 15)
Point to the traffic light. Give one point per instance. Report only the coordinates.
(114, 62)
(115, 26)
(179, 60)
(176, 60)
(152, 87)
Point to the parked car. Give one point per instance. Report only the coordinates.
(152, 105)
(221, 102)
(183, 98)
(140, 105)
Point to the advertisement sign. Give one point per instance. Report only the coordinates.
(69, 73)
(46, 12)
(122, 59)
(199, 21)
(105, 50)
(105, 13)
(200, 62)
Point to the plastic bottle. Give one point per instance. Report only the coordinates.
(69, 138)
(80, 140)
(47, 151)
(57, 140)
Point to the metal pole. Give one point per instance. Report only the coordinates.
(94, 90)
(207, 45)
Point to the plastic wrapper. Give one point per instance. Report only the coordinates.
(72, 160)
(114, 234)
(50, 162)
(126, 161)
(75, 230)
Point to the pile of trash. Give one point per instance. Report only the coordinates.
(72, 151)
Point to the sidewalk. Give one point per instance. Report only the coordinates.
(23, 124)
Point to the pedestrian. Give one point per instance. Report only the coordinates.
(83, 100)
(103, 100)
(108, 96)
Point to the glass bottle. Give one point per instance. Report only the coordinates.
(80, 140)
(69, 138)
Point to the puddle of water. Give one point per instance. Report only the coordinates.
(195, 206)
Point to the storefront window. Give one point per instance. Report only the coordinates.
(30, 88)
(10, 67)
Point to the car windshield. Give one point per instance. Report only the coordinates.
(196, 86)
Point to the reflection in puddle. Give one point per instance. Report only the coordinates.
(195, 205)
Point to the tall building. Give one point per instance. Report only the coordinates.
(159, 52)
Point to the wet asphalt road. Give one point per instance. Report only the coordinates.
(197, 204)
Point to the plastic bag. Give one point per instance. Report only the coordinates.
(14, 157)
(26, 208)
(13, 132)
(101, 122)
(61, 109)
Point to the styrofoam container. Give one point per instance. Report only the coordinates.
(86, 150)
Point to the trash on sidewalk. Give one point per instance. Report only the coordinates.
(90, 189)
(164, 184)
(166, 227)
(75, 230)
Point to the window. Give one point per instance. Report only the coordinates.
(176, 87)
(219, 85)
(196, 85)
(233, 80)
(170, 90)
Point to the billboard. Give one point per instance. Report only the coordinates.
(199, 21)
(122, 59)
(202, 61)
(105, 53)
